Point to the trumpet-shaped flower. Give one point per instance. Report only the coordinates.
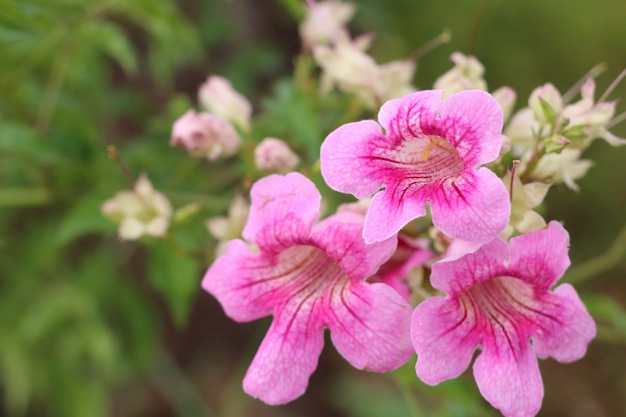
(430, 152)
(309, 276)
(499, 298)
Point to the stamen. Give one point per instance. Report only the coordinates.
(515, 164)
(436, 142)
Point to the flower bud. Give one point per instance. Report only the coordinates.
(347, 66)
(218, 96)
(273, 155)
(205, 134)
(324, 21)
(467, 74)
(505, 96)
(546, 103)
(143, 211)
(226, 228)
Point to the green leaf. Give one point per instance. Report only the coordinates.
(9, 10)
(176, 277)
(85, 217)
(575, 132)
(20, 197)
(548, 111)
(112, 41)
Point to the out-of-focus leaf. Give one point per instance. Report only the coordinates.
(299, 122)
(367, 397)
(23, 140)
(13, 35)
(10, 10)
(84, 218)
(607, 310)
(15, 368)
(457, 397)
(19, 197)
(176, 277)
(112, 41)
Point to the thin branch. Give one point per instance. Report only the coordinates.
(613, 257)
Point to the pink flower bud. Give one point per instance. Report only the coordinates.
(273, 155)
(205, 134)
(218, 96)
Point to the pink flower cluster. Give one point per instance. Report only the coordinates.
(425, 157)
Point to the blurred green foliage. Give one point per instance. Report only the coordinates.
(80, 313)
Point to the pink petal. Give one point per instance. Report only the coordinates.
(283, 211)
(474, 207)
(472, 122)
(241, 282)
(389, 212)
(407, 117)
(343, 242)
(348, 158)
(444, 336)
(541, 256)
(565, 326)
(508, 375)
(287, 357)
(457, 274)
(369, 326)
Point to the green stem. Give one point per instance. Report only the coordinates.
(409, 398)
(605, 262)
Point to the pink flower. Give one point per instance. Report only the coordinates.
(499, 298)
(309, 276)
(431, 152)
(205, 134)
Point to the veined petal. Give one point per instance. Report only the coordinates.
(444, 336)
(243, 282)
(369, 325)
(541, 256)
(474, 207)
(390, 211)
(471, 121)
(507, 375)
(283, 211)
(457, 274)
(287, 357)
(407, 117)
(348, 158)
(506, 371)
(565, 326)
(343, 242)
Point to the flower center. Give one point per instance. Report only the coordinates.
(310, 271)
(503, 304)
(431, 159)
